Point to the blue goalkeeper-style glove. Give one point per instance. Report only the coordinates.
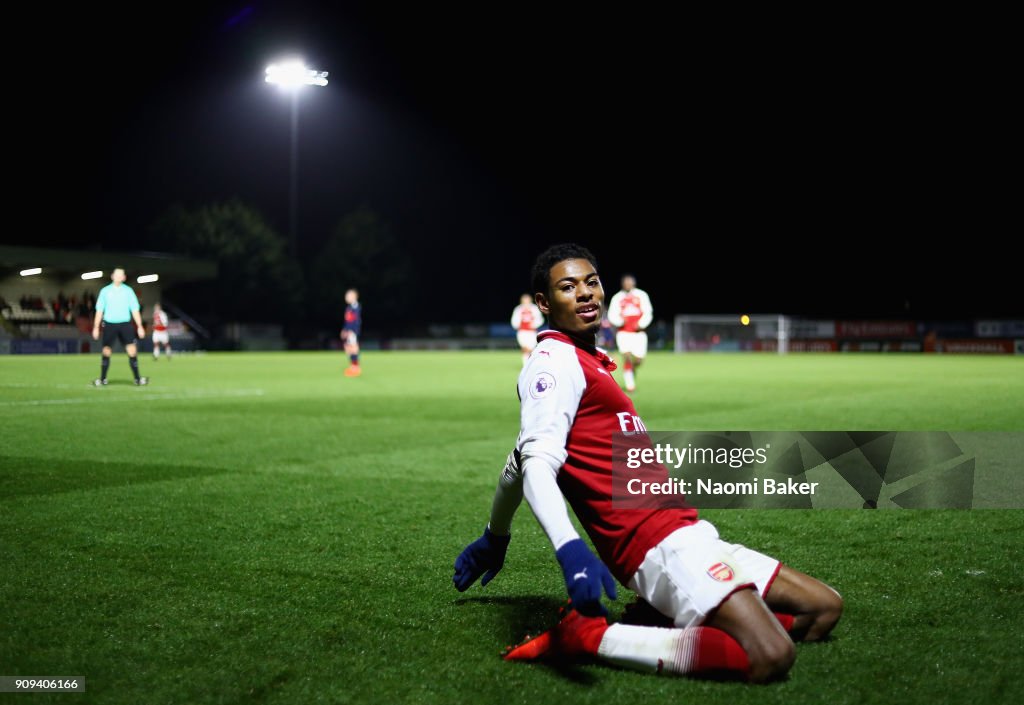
(485, 555)
(585, 576)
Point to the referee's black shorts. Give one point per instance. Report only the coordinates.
(125, 332)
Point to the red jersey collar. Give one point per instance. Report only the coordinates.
(606, 362)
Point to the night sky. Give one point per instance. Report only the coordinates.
(741, 164)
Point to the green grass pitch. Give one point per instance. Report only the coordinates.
(258, 528)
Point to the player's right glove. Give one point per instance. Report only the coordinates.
(585, 576)
(486, 555)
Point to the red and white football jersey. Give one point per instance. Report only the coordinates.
(527, 317)
(570, 408)
(630, 311)
(159, 321)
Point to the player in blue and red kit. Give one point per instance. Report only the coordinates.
(350, 332)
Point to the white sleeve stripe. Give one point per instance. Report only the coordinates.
(648, 310)
(545, 499)
(614, 313)
(550, 388)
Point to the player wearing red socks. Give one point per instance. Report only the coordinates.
(630, 312)
(717, 601)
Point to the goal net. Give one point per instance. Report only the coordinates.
(732, 333)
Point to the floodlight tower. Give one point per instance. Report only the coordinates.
(291, 76)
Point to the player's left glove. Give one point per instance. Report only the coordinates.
(486, 555)
(585, 577)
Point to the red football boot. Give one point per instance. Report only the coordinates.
(575, 635)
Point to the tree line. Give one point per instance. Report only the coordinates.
(259, 280)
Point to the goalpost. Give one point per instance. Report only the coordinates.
(732, 333)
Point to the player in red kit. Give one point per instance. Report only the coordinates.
(721, 607)
(526, 319)
(160, 334)
(630, 311)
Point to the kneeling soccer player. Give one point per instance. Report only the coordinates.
(727, 609)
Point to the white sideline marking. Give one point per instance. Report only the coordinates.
(139, 397)
(22, 385)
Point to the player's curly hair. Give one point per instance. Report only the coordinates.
(553, 255)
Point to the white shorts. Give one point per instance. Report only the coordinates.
(633, 343)
(350, 338)
(527, 339)
(161, 336)
(691, 573)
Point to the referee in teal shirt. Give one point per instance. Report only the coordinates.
(116, 306)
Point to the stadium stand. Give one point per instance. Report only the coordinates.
(46, 304)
